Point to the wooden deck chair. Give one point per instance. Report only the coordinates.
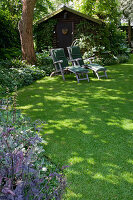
(61, 65)
(75, 55)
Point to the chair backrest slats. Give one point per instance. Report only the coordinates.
(74, 53)
(59, 54)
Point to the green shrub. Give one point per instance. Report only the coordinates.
(15, 72)
(9, 35)
(18, 73)
(45, 62)
(15, 63)
(9, 53)
(111, 59)
(106, 42)
(123, 58)
(35, 72)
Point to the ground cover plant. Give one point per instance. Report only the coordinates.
(18, 73)
(15, 72)
(89, 127)
(25, 172)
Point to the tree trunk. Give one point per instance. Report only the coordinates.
(26, 32)
(129, 33)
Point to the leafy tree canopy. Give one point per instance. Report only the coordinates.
(126, 6)
(15, 8)
(59, 3)
(9, 36)
(106, 10)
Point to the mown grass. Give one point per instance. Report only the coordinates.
(89, 126)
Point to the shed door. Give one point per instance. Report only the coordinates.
(64, 34)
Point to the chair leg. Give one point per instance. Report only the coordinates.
(106, 74)
(97, 75)
(87, 77)
(94, 73)
(77, 77)
(63, 75)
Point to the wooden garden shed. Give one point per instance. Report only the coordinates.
(64, 31)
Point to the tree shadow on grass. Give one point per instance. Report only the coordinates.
(90, 128)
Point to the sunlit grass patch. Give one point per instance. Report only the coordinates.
(89, 126)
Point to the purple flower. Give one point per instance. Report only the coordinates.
(4, 133)
(9, 129)
(64, 167)
(6, 190)
(1, 179)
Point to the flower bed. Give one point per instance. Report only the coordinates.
(25, 172)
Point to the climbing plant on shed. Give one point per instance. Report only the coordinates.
(43, 34)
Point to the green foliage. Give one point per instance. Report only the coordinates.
(9, 53)
(9, 36)
(89, 127)
(14, 7)
(106, 42)
(42, 8)
(109, 59)
(87, 7)
(123, 58)
(18, 73)
(126, 7)
(44, 34)
(15, 63)
(45, 62)
(117, 39)
(25, 171)
(58, 3)
(97, 37)
(105, 10)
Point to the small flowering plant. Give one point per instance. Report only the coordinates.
(24, 169)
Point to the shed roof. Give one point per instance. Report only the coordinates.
(64, 8)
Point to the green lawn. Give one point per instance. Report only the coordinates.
(89, 126)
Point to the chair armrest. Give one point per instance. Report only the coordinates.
(90, 59)
(77, 59)
(59, 61)
(71, 60)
